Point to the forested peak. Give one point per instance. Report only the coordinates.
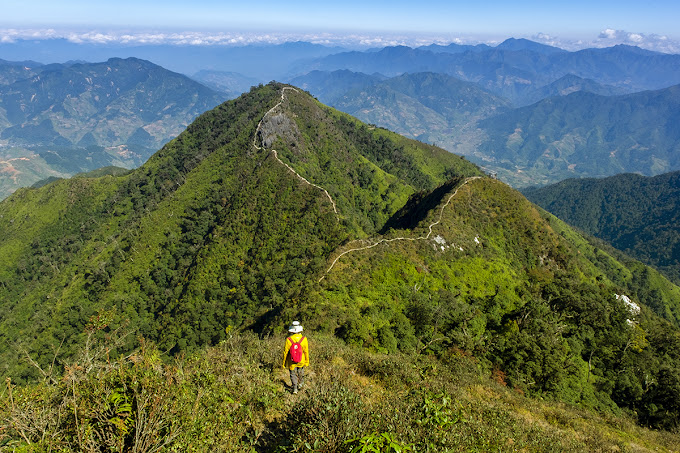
(317, 141)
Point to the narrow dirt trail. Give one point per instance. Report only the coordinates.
(419, 238)
(276, 155)
(335, 210)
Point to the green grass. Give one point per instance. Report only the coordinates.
(234, 398)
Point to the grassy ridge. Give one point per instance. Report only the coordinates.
(233, 398)
(369, 172)
(517, 289)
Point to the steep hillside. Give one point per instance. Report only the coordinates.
(636, 214)
(584, 134)
(274, 207)
(485, 272)
(212, 230)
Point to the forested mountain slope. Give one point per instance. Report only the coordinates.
(212, 230)
(636, 214)
(273, 207)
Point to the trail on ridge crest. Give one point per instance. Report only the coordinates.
(276, 155)
(335, 210)
(419, 238)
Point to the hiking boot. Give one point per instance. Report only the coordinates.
(295, 389)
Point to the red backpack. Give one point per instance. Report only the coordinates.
(296, 350)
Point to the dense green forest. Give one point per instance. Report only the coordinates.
(636, 214)
(274, 207)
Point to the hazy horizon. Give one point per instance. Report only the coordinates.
(349, 40)
(570, 25)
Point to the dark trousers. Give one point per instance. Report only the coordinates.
(297, 376)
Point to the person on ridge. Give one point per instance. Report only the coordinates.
(296, 355)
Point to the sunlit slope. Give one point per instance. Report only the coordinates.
(486, 273)
(214, 230)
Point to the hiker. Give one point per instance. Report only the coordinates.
(296, 355)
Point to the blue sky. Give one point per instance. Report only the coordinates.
(484, 20)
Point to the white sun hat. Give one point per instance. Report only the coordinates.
(295, 327)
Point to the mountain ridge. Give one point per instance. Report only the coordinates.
(135, 205)
(512, 73)
(98, 86)
(62, 119)
(213, 231)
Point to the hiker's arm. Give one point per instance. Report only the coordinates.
(285, 353)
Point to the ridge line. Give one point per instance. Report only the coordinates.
(419, 238)
(276, 155)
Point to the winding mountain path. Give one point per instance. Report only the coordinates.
(356, 249)
(419, 238)
(276, 155)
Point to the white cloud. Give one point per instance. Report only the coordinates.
(221, 38)
(610, 37)
(606, 38)
(655, 42)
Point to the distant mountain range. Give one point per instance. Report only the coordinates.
(230, 83)
(328, 87)
(264, 62)
(636, 214)
(584, 134)
(103, 104)
(568, 84)
(577, 127)
(516, 68)
(61, 119)
(572, 118)
(566, 108)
